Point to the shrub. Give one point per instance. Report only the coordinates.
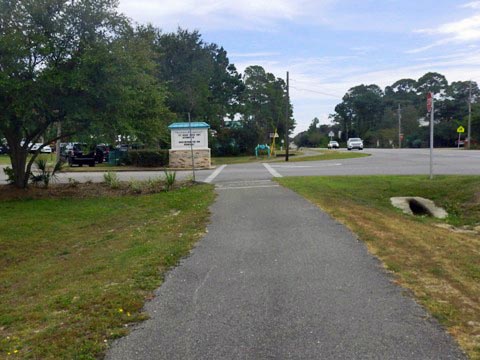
(155, 183)
(136, 185)
(9, 174)
(147, 158)
(170, 180)
(112, 180)
(45, 173)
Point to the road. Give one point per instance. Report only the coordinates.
(277, 278)
(381, 161)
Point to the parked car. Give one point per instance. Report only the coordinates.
(333, 145)
(4, 149)
(47, 149)
(355, 143)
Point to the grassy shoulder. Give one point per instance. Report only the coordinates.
(318, 155)
(441, 266)
(5, 159)
(76, 271)
(330, 155)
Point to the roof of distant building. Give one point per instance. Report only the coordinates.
(186, 125)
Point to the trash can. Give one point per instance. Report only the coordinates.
(114, 157)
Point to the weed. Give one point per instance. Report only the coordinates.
(111, 179)
(72, 182)
(170, 177)
(154, 183)
(136, 185)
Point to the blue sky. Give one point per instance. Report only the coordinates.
(329, 46)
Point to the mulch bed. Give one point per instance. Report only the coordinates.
(79, 190)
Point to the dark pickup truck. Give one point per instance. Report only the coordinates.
(80, 159)
(80, 155)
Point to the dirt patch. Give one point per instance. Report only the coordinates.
(81, 190)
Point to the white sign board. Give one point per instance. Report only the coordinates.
(181, 139)
(331, 134)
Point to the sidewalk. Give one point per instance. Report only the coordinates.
(276, 278)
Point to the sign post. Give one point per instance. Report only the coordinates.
(431, 110)
(460, 131)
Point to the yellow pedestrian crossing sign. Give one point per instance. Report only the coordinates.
(460, 130)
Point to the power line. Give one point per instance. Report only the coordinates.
(316, 92)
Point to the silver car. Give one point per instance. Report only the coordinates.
(355, 143)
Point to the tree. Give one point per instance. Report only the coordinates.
(199, 77)
(69, 62)
(264, 104)
(360, 111)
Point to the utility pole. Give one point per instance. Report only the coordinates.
(399, 126)
(469, 115)
(287, 118)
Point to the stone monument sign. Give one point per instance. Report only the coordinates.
(185, 137)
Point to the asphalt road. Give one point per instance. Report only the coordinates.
(382, 161)
(276, 278)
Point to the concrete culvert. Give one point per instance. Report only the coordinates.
(418, 206)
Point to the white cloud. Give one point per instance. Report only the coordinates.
(218, 14)
(465, 30)
(472, 5)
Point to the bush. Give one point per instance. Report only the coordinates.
(147, 158)
(170, 180)
(9, 173)
(112, 180)
(44, 173)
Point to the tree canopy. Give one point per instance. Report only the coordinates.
(83, 65)
(372, 114)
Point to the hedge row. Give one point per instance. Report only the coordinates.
(147, 158)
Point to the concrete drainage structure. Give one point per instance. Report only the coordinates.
(414, 205)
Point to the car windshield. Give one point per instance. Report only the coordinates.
(355, 139)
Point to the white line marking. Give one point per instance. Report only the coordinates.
(293, 166)
(272, 171)
(245, 187)
(213, 175)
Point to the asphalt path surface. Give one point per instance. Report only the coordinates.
(277, 278)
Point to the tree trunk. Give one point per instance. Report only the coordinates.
(18, 157)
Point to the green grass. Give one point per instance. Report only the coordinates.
(5, 159)
(74, 272)
(331, 155)
(440, 266)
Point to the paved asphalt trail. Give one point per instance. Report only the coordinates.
(276, 278)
